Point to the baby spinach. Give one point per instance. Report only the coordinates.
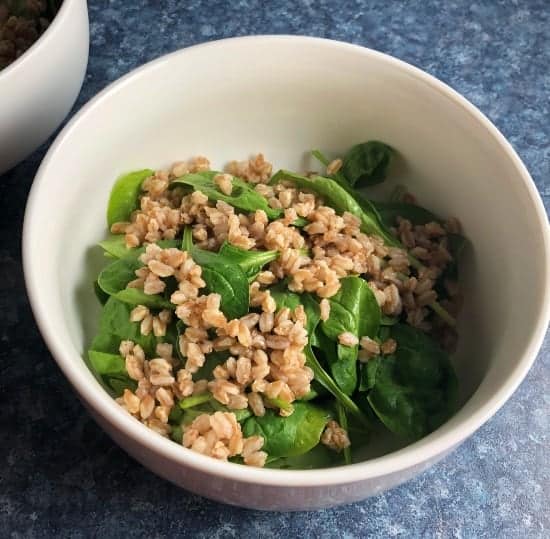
(101, 296)
(386, 320)
(243, 196)
(366, 163)
(313, 315)
(251, 262)
(292, 435)
(226, 278)
(105, 363)
(338, 197)
(115, 277)
(115, 245)
(115, 326)
(222, 274)
(353, 309)
(111, 370)
(211, 362)
(318, 457)
(285, 298)
(414, 390)
(125, 196)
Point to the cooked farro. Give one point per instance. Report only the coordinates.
(236, 302)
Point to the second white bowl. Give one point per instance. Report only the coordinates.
(39, 88)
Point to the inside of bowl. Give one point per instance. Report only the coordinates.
(284, 100)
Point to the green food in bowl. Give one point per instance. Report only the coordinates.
(277, 320)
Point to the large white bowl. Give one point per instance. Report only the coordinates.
(284, 95)
(39, 88)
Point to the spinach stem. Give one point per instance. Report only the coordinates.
(330, 385)
(194, 400)
(280, 403)
(343, 420)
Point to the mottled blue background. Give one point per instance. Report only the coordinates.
(61, 476)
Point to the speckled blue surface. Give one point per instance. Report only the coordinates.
(61, 476)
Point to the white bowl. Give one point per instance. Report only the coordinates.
(283, 96)
(40, 87)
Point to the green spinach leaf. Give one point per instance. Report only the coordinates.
(125, 196)
(353, 309)
(251, 262)
(111, 370)
(413, 391)
(311, 308)
(226, 278)
(115, 277)
(339, 197)
(292, 435)
(243, 195)
(318, 457)
(366, 163)
(115, 326)
(105, 363)
(100, 295)
(115, 245)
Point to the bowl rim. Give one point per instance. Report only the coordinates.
(27, 56)
(429, 448)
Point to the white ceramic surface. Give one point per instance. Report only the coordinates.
(39, 88)
(283, 96)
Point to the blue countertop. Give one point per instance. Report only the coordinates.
(62, 476)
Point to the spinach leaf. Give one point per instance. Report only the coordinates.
(100, 295)
(285, 298)
(353, 309)
(135, 296)
(243, 195)
(211, 362)
(251, 262)
(104, 363)
(311, 308)
(118, 384)
(124, 196)
(339, 197)
(386, 320)
(223, 274)
(115, 245)
(318, 457)
(114, 278)
(187, 240)
(368, 374)
(115, 326)
(292, 435)
(224, 277)
(413, 391)
(366, 163)
(111, 369)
